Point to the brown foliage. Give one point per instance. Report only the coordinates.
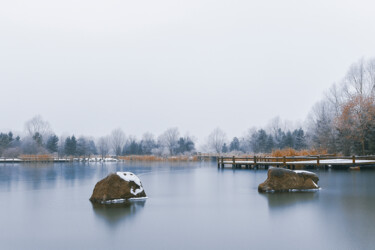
(293, 152)
(358, 114)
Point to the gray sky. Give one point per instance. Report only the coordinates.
(91, 66)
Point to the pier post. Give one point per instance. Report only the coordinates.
(353, 158)
(284, 161)
(255, 161)
(318, 160)
(222, 162)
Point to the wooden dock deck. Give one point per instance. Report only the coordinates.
(296, 162)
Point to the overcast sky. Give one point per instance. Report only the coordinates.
(91, 66)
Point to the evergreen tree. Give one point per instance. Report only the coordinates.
(262, 140)
(37, 137)
(270, 144)
(300, 140)
(52, 143)
(70, 147)
(74, 145)
(225, 148)
(82, 147)
(92, 148)
(5, 141)
(185, 144)
(288, 140)
(234, 145)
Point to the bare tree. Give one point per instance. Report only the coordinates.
(117, 140)
(360, 79)
(148, 143)
(356, 76)
(169, 139)
(370, 72)
(103, 146)
(334, 96)
(37, 125)
(216, 140)
(321, 126)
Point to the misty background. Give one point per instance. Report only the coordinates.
(89, 67)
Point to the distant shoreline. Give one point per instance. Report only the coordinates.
(51, 159)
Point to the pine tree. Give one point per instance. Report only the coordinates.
(70, 147)
(270, 144)
(37, 137)
(52, 143)
(234, 145)
(300, 140)
(225, 148)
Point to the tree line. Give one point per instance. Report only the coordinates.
(257, 141)
(39, 139)
(342, 122)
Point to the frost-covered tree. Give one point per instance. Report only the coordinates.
(103, 146)
(169, 139)
(216, 140)
(299, 139)
(148, 143)
(117, 139)
(37, 125)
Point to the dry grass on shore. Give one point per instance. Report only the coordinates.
(293, 152)
(37, 158)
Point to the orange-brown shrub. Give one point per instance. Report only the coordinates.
(293, 152)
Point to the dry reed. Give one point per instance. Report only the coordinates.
(293, 152)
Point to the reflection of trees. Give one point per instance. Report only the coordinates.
(113, 214)
(287, 199)
(73, 171)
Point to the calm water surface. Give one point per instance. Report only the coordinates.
(190, 206)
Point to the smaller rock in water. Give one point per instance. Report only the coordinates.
(281, 180)
(118, 187)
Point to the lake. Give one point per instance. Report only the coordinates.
(190, 206)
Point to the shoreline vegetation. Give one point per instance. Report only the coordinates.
(342, 123)
(152, 158)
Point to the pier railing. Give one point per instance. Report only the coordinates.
(287, 161)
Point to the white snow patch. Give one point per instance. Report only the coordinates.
(138, 198)
(115, 201)
(303, 171)
(305, 190)
(129, 176)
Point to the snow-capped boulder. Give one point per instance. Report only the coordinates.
(118, 187)
(280, 179)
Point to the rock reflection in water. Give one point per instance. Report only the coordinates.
(287, 199)
(115, 213)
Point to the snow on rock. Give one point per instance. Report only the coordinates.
(129, 176)
(118, 187)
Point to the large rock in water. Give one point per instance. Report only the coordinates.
(118, 187)
(280, 179)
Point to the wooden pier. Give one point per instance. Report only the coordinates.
(296, 162)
